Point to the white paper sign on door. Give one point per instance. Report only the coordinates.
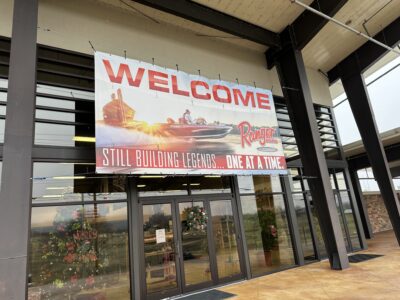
(160, 236)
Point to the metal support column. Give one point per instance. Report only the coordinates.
(355, 182)
(293, 78)
(16, 187)
(357, 94)
(134, 235)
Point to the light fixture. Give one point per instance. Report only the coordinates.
(56, 188)
(68, 177)
(86, 139)
(52, 196)
(212, 176)
(153, 176)
(141, 185)
(192, 184)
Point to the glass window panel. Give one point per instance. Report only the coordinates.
(79, 252)
(351, 223)
(284, 124)
(161, 185)
(67, 182)
(295, 180)
(332, 179)
(369, 185)
(319, 239)
(159, 253)
(286, 131)
(341, 181)
(329, 144)
(209, 184)
(362, 173)
(224, 235)
(370, 173)
(2, 124)
(286, 139)
(196, 260)
(44, 101)
(267, 233)
(55, 115)
(3, 110)
(259, 184)
(303, 222)
(282, 116)
(326, 129)
(3, 83)
(52, 90)
(54, 134)
(3, 96)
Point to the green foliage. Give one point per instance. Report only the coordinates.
(71, 256)
(267, 221)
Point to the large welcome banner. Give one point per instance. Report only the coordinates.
(153, 120)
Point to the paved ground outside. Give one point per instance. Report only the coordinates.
(378, 278)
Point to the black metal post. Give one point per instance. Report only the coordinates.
(134, 229)
(355, 182)
(293, 78)
(16, 192)
(357, 94)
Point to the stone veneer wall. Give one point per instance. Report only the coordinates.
(377, 212)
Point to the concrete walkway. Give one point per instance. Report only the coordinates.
(378, 278)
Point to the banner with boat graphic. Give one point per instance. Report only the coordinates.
(154, 120)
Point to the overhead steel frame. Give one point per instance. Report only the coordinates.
(16, 192)
(293, 78)
(350, 72)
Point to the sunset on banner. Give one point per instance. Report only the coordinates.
(155, 120)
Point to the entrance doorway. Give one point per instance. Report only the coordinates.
(188, 244)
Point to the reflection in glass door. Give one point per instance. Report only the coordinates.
(159, 248)
(194, 240)
(224, 237)
(188, 245)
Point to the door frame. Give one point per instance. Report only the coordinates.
(174, 201)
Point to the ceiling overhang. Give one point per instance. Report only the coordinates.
(370, 52)
(215, 19)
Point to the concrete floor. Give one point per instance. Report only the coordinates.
(378, 278)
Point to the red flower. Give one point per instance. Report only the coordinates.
(74, 279)
(70, 246)
(69, 258)
(90, 280)
(92, 257)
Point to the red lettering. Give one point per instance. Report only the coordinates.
(162, 79)
(249, 97)
(193, 87)
(218, 98)
(123, 69)
(175, 88)
(250, 135)
(262, 101)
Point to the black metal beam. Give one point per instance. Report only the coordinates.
(293, 79)
(361, 161)
(370, 52)
(360, 105)
(308, 24)
(215, 19)
(16, 186)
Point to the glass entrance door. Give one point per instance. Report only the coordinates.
(189, 245)
(160, 250)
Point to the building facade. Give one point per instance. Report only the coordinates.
(108, 236)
